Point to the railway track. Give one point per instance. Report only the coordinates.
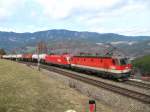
(138, 84)
(116, 89)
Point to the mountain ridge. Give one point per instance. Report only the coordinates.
(54, 37)
(41, 31)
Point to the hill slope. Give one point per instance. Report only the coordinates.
(143, 64)
(11, 40)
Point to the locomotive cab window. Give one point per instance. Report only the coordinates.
(123, 61)
(116, 62)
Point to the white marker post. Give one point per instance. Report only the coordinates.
(38, 64)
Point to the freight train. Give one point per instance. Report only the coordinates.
(105, 66)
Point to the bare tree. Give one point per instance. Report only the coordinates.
(41, 47)
(2, 52)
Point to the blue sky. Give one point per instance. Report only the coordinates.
(127, 17)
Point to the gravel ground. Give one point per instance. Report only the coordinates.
(112, 100)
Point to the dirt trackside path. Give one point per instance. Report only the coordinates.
(23, 89)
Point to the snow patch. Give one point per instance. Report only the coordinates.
(123, 42)
(33, 38)
(13, 40)
(99, 43)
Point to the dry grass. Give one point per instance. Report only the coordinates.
(23, 89)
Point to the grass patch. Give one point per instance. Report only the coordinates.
(23, 89)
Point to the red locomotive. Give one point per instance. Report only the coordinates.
(63, 60)
(107, 66)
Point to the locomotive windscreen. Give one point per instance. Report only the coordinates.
(124, 61)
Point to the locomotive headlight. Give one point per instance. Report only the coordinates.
(127, 67)
(112, 67)
(58, 60)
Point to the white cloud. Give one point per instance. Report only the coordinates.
(130, 31)
(55, 9)
(97, 22)
(58, 9)
(104, 15)
(8, 7)
(93, 15)
(90, 14)
(134, 31)
(3, 13)
(7, 29)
